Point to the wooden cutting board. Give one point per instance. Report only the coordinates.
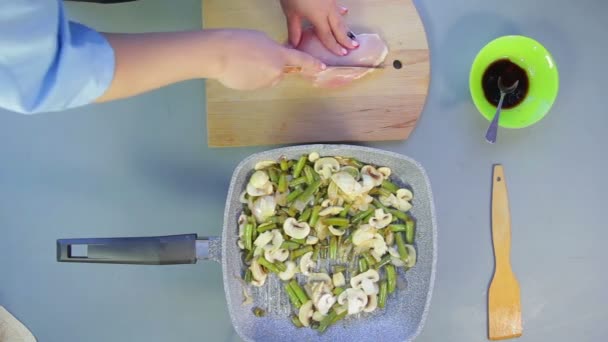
(384, 105)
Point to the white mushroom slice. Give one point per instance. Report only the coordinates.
(332, 191)
(242, 197)
(338, 279)
(373, 173)
(411, 256)
(277, 240)
(380, 219)
(372, 303)
(336, 231)
(353, 171)
(306, 263)
(405, 194)
(325, 303)
(318, 316)
(355, 298)
(295, 229)
(385, 171)
(379, 244)
(331, 211)
(321, 230)
(347, 183)
(263, 239)
(289, 272)
(366, 281)
(305, 313)
(320, 278)
(256, 192)
(389, 238)
(240, 244)
(327, 203)
(364, 233)
(325, 167)
(395, 257)
(313, 157)
(264, 208)
(258, 274)
(388, 200)
(259, 179)
(361, 203)
(311, 240)
(261, 165)
(280, 254)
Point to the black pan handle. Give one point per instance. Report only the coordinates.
(153, 250)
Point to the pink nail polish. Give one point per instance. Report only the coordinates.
(343, 9)
(344, 52)
(323, 66)
(355, 43)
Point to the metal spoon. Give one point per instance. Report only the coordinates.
(493, 129)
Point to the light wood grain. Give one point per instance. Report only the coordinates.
(384, 105)
(504, 303)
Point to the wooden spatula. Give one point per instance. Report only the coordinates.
(504, 303)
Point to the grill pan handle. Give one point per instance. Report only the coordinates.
(153, 250)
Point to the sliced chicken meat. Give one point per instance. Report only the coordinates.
(372, 51)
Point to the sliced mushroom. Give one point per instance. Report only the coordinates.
(259, 179)
(277, 240)
(361, 203)
(336, 231)
(338, 279)
(411, 256)
(364, 233)
(389, 238)
(332, 192)
(306, 263)
(388, 200)
(305, 313)
(353, 171)
(385, 171)
(264, 164)
(402, 200)
(243, 197)
(313, 157)
(379, 245)
(263, 208)
(331, 211)
(263, 239)
(320, 278)
(325, 167)
(347, 183)
(325, 303)
(241, 244)
(289, 272)
(371, 177)
(258, 274)
(280, 254)
(321, 230)
(311, 240)
(366, 281)
(256, 192)
(380, 219)
(395, 257)
(295, 229)
(356, 300)
(372, 303)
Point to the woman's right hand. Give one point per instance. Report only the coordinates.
(251, 60)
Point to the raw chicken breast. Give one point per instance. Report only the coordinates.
(371, 52)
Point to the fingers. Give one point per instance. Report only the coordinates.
(342, 10)
(309, 64)
(325, 34)
(294, 28)
(340, 31)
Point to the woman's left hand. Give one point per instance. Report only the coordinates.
(326, 18)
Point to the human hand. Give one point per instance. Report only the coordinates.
(326, 18)
(251, 60)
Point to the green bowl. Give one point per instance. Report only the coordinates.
(542, 74)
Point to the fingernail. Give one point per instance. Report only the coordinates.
(323, 66)
(344, 52)
(343, 9)
(355, 43)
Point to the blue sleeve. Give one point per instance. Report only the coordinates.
(48, 63)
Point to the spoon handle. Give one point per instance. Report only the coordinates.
(493, 129)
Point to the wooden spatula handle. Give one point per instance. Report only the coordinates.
(501, 220)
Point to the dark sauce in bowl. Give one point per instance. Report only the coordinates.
(509, 72)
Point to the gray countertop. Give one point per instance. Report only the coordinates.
(142, 167)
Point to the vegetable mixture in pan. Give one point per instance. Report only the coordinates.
(335, 211)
